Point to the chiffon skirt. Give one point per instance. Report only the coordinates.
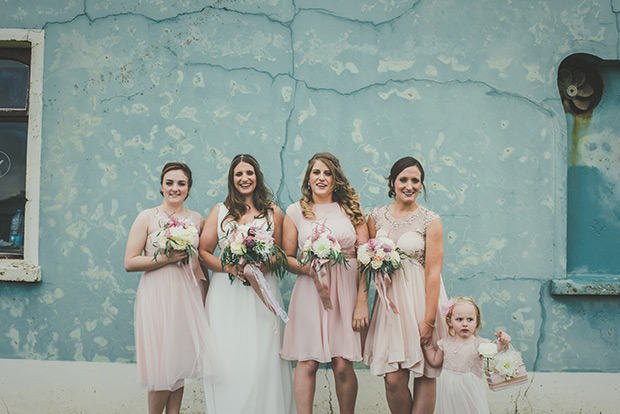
(173, 340)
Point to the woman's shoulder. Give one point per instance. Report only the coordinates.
(428, 213)
(293, 208)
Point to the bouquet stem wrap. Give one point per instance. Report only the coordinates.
(260, 285)
(321, 277)
(383, 283)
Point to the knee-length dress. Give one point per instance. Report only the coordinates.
(313, 333)
(248, 337)
(393, 340)
(171, 331)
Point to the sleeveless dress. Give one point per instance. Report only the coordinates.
(171, 330)
(462, 388)
(393, 340)
(248, 337)
(312, 332)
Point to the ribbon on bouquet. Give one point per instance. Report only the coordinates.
(260, 285)
(320, 276)
(382, 283)
(191, 274)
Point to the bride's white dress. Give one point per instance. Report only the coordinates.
(248, 337)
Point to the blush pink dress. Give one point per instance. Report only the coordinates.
(171, 330)
(313, 333)
(461, 387)
(393, 340)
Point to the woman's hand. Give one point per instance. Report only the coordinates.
(426, 333)
(360, 316)
(176, 256)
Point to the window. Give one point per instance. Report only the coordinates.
(589, 88)
(21, 77)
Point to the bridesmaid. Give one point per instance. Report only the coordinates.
(170, 326)
(315, 335)
(248, 335)
(394, 343)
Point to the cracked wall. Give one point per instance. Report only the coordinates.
(472, 94)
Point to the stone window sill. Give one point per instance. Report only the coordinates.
(19, 271)
(595, 285)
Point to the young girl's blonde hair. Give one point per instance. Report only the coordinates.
(461, 300)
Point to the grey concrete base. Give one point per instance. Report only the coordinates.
(42, 387)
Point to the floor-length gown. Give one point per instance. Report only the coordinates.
(312, 332)
(248, 336)
(462, 388)
(173, 340)
(393, 340)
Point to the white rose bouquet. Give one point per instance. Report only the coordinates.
(176, 235)
(378, 259)
(321, 249)
(246, 247)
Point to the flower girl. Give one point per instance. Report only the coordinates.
(462, 388)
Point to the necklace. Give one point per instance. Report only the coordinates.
(401, 222)
(174, 212)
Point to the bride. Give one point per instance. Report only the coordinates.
(247, 334)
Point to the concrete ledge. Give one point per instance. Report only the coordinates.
(587, 285)
(46, 387)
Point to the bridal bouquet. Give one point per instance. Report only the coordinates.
(246, 247)
(503, 369)
(319, 249)
(378, 259)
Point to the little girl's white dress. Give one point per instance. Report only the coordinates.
(462, 388)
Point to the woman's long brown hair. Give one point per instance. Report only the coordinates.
(344, 194)
(261, 197)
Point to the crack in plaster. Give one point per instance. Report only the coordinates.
(492, 90)
(329, 391)
(281, 185)
(369, 22)
(544, 290)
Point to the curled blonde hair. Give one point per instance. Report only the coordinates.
(462, 300)
(344, 194)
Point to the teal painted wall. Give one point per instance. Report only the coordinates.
(470, 91)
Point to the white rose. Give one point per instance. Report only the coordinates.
(380, 254)
(487, 350)
(236, 248)
(307, 246)
(362, 255)
(376, 264)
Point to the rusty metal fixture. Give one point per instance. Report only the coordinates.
(580, 85)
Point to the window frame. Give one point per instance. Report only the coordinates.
(27, 269)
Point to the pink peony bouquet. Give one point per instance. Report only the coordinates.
(378, 259)
(321, 249)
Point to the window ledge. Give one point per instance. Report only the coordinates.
(19, 271)
(595, 285)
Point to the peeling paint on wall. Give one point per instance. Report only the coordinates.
(130, 86)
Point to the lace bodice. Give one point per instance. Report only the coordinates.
(409, 233)
(462, 356)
